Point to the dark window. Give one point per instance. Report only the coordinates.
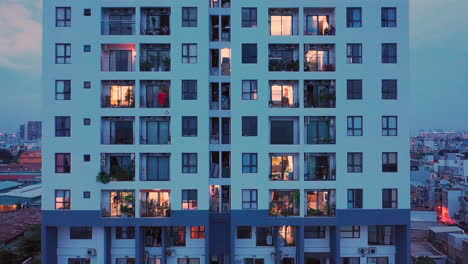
(377, 260)
(86, 157)
(189, 200)
(389, 18)
(189, 17)
(282, 132)
(249, 53)
(249, 126)
(188, 261)
(249, 162)
(350, 231)
(62, 90)
(62, 199)
(87, 85)
(63, 17)
(79, 261)
(125, 232)
(249, 199)
(354, 125)
(314, 231)
(81, 232)
(389, 89)
(189, 53)
(244, 232)
(87, 48)
(380, 235)
(249, 90)
(249, 17)
(177, 237)
(86, 195)
(351, 260)
(157, 168)
(62, 126)
(189, 89)
(354, 17)
(389, 161)
(265, 236)
(87, 12)
(254, 261)
(87, 121)
(354, 198)
(189, 163)
(354, 53)
(62, 53)
(389, 198)
(354, 161)
(389, 125)
(62, 162)
(189, 126)
(389, 53)
(354, 89)
(197, 232)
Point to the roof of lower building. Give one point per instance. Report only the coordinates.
(15, 223)
(445, 229)
(4, 185)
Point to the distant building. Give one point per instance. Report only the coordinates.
(25, 197)
(30, 157)
(457, 250)
(34, 130)
(22, 132)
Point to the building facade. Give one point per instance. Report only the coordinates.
(223, 132)
(34, 130)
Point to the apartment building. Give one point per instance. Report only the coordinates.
(225, 132)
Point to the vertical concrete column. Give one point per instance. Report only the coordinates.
(107, 245)
(402, 244)
(49, 244)
(139, 248)
(300, 245)
(164, 239)
(335, 245)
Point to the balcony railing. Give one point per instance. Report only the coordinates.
(118, 27)
(283, 64)
(115, 64)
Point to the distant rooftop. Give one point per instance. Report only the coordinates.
(15, 223)
(445, 229)
(30, 191)
(425, 249)
(4, 185)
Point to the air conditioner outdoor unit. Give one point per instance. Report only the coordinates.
(91, 252)
(170, 252)
(362, 251)
(372, 250)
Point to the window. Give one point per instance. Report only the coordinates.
(62, 162)
(249, 90)
(249, 162)
(62, 53)
(380, 235)
(350, 231)
(354, 125)
(253, 261)
(189, 53)
(87, 121)
(389, 17)
(389, 198)
(189, 126)
(389, 125)
(354, 53)
(264, 236)
(87, 85)
(188, 261)
(281, 25)
(81, 232)
(189, 89)
(389, 53)
(157, 130)
(282, 132)
(244, 232)
(125, 261)
(62, 199)
(62, 126)
(249, 126)
(389, 89)
(87, 48)
(249, 17)
(249, 53)
(87, 12)
(189, 163)
(354, 162)
(63, 17)
(389, 162)
(377, 260)
(354, 88)
(249, 199)
(353, 17)
(86, 158)
(314, 231)
(351, 260)
(354, 198)
(157, 167)
(79, 261)
(86, 195)
(189, 200)
(189, 17)
(125, 232)
(197, 232)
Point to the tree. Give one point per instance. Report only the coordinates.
(30, 245)
(9, 257)
(424, 260)
(5, 156)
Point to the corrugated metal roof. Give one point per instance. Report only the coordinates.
(8, 184)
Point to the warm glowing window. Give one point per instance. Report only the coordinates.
(281, 25)
(282, 167)
(189, 200)
(121, 95)
(197, 232)
(282, 94)
(62, 199)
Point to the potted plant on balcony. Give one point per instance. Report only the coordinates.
(166, 208)
(274, 210)
(296, 197)
(293, 65)
(126, 173)
(103, 177)
(126, 210)
(129, 98)
(166, 61)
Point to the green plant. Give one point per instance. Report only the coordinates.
(129, 97)
(273, 210)
(145, 65)
(126, 173)
(166, 207)
(296, 198)
(127, 210)
(107, 101)
(153, 21)
(103, 177)
(424, 260)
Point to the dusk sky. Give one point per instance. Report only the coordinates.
(439, 63)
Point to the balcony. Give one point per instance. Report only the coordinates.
(155, 57)
(220, 57)
(287, 236)
(284, 202)
(118, 21)
(319, 94)
(283, 21)
(155, 130)
(264, 236)
(220, 3)
(319, 21)
(222, 158)
(155, 21)
(224, 28)
(283, 57)
(283, 167)
(118, 203)
(117, 130)
(118, 94)
(320, 130)
(284, 130)
(319, 167)
(215, 136)
(283, 94)
(118, 57)
(155, 94)
(220, 197)
(319, 57)
(117, 167)
(154, 166)
(152, 235)
(217, 101)
(155, 203)
(321, 203)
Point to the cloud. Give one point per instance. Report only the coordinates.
(20, 37)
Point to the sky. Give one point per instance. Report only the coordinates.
(438, 48)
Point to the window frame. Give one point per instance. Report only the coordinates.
(66, 21)
(251, 20)
(315, 232)
(189, 131)
(247, 122)
(387, 129)
(355, 198)
(355, 167)
(189, 16)
(81, 232)
(249, 235)
(353, 129)
(250, 167)
(354, 231)
(250, 91)
(352, 58)
(66, 93)
(386, 165)
(64, 58)
(248, 54)
(127, 230)
(187, 57)
(386, 21)
(63, 168)
(354, 89)
(189, 162)
(389, 53)
(391, 193)
(252, 202)
(197, 232)
(187, 202)
(389, 89)
(351, 22)
(66, 204)
(64, 131)
(189, 89)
